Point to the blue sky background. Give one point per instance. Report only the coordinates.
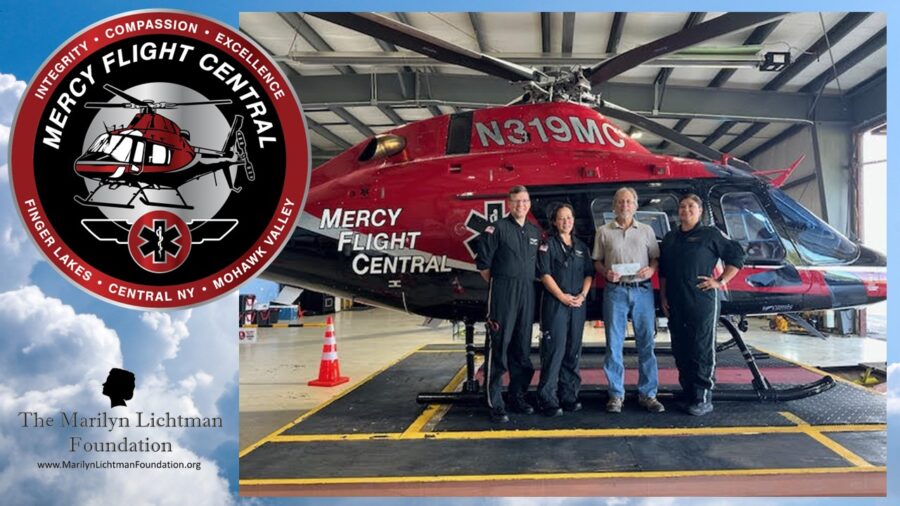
(59, 342)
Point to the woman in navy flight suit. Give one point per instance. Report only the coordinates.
(566, 270)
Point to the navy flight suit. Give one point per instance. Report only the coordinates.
(510, 252)
(694, 313)
(562, 326)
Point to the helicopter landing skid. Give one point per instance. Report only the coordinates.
(183, 205)
(139, 192)
(762, 390)
(93, 203)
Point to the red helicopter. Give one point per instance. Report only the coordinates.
(153, 153)
(390, 221)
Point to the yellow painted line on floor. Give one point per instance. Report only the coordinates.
(825, 441)
(282, 325)
(818, 371)
(561, 476)
(442, 351)
(324, 438)
(577, 433)
(433, 409)
(643, 432)
(322, 406)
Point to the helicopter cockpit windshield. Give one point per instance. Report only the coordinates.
(128, 149)
(121, 148)
(815, 239)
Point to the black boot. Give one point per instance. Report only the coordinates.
(518, 404)
(702, 402)
(686, 398)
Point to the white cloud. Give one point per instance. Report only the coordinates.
(192, 382)
(11, 90)
(171, 329)
(54, 360)
(18, 253)
(212, 344)
(46, 344)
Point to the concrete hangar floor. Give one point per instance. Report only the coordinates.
(370, 437)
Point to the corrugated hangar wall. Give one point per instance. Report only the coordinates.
(835, 141)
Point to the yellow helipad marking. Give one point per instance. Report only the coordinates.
(815, 433)
(560, 476)
(818, 371)
(578, 433)
(434, 409)
(320, 407)
(281, 325)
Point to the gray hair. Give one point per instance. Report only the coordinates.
(626, 189)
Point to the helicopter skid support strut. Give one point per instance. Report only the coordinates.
(139, 192)
(762, 390)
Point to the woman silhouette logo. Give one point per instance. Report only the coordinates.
(119, 387)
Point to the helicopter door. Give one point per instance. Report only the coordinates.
(770, 265)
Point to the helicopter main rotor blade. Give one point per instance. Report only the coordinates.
(671, 135)
(99, 105)
(112, 89)
(403, 35)
(722, 25)
(226, 101)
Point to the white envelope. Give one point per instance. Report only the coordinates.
(626, 269)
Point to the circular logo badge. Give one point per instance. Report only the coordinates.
(159, 241)
(159, 159)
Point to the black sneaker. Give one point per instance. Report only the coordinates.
(571, 407)
(552, 411)
(520, 406)
(499, 417)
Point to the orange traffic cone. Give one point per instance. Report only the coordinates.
(329, 367)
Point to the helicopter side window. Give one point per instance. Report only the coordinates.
(660, 211)
(815, 239)
(159, 155)
(748, 224)
(138, 152)
(121, 151)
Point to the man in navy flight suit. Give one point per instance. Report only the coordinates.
(506, 257)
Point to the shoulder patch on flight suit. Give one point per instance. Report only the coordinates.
(544, 247)
(532, 241)
(489, 229)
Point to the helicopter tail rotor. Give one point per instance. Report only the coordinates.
(240, 149)
(236, 147)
